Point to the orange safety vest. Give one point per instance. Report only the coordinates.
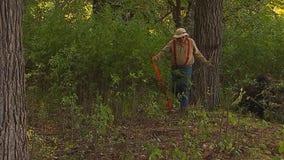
(188, 51)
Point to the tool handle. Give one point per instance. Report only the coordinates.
(164, 89)
(156, 70)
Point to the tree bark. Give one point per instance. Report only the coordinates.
(13, 139)
(208, 36)
(176, 12)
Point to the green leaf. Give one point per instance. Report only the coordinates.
(281, 147)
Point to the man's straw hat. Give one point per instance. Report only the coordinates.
(180, 32)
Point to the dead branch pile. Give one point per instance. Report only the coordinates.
(264, 97)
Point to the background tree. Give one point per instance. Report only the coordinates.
(13, 142)
(176, 12)
(182, 13)
(208, 35)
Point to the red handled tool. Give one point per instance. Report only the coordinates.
(164, 88)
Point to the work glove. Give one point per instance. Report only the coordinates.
(155, 58)
(209, 64)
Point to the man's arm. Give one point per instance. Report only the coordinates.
(167, 49)
(199, 55)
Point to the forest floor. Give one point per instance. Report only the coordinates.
(200, 134)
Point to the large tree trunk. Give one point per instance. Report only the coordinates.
(208, 36)
(13, 139)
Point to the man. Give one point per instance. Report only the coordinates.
(183, 53)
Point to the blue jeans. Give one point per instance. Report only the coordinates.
(181, 76)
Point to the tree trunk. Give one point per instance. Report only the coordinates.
(208, 36)
(13, 139)
(176, 12)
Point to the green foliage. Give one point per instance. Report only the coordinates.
(228, 144)
(193, 114)
(155, 110)
(232, 119)
(70, 103)
(252, 40)
(239, 98)
(71, 58)
(154, 152)
(102, 119)
(179, 155)
(80, 56)
(39, 146)
(281, 147)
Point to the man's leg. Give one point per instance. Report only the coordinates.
(181, 77)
